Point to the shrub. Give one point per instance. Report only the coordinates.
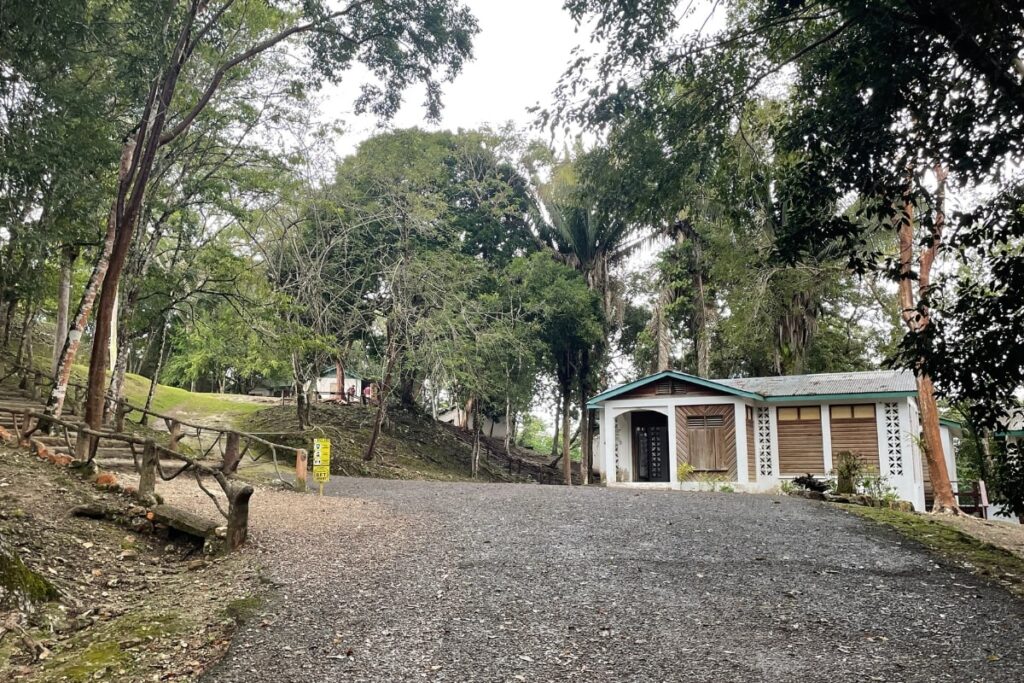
(684, 471)
(848, 470)
(877, 486)
(809, 483)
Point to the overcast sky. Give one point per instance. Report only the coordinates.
(521, 50)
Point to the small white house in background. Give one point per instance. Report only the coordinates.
(495, 429)
(327, 385)
(756, 432)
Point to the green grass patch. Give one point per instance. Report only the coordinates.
(950, 542)
(169, 400)
(102, 654)
(21, 582)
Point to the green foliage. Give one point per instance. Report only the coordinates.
(1008, 471)
(566, 313)
(848, 470)
(534, 434)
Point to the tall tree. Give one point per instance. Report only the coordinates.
(876, 90)
(401, 43)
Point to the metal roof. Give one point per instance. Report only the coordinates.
(827, 384)
(871, 384)
(629, 386)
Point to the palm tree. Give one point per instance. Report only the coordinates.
(582, 232)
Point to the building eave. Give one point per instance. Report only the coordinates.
(681, 376)
(841, 397)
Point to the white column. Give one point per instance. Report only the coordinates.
(776, 471)
(673, 466)
(740, 413)
(883, 444)
(608, 427)
(826, 436)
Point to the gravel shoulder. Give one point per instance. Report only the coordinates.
(402, 580)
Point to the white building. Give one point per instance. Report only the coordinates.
(327, 385)
(753, 433)
(495, 429)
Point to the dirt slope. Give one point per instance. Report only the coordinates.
(412, 446)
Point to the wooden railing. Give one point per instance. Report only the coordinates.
(233, 448)
(26, 422)
(973, 500)
(236, 444)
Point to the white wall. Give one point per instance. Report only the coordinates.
(327, 387)
(496, 429)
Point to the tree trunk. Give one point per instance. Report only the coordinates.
(566, 456)
(942, 488)
(705, 315)
(915, 311)
(155, 380)
(584, 429)
(97, 384)
(508, 425)
(378, 420)
(238, 515)
(25, 338)
(555, 447)
(9, 311)
(29, 380)
(476, 439)
(661, 335)
(339, 374)
(407, 390)
(116, 390)
(300, 391)
(60, 333)
(67, 358)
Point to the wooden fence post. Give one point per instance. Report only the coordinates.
(147, 473)
(119, 415)
(174, 429)
(301, 459)
(232, 454)
(238, 515)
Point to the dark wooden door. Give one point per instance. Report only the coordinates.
(650, 447)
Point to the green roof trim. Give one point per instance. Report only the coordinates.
(711, 384)
(681, 376)
(840, 397)
(1012, 432)
(952, 424)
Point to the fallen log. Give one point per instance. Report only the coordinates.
(184, 521)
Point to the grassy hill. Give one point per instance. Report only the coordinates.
(412, 446)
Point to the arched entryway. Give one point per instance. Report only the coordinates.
(650, 446)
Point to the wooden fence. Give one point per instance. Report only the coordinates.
(235, 445)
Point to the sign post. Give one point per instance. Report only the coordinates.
(321, 462)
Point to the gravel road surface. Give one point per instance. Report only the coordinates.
(403, 581)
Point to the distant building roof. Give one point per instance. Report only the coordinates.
(830, 383)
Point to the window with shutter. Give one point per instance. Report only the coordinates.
(861, 411)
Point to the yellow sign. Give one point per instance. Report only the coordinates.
(321, 460)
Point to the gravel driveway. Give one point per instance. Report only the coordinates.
(403, 581)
